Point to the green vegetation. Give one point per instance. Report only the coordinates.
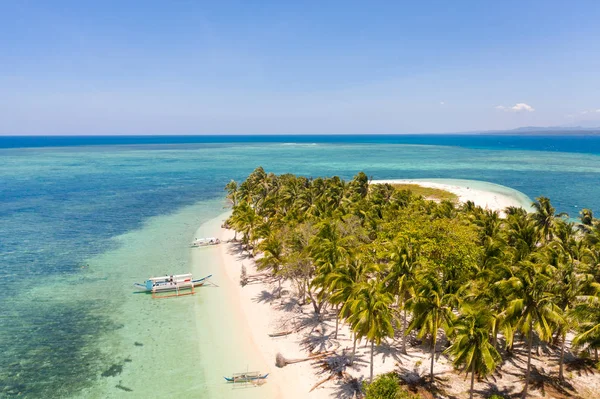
(429, 193)
(388, 259)
(387, 386)
(471, 348)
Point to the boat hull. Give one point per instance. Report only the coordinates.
(167, 286)
(246, 378)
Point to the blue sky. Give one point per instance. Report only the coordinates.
(194, 67)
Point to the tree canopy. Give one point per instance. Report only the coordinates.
(387, 258)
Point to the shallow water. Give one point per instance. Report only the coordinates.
(79, 225)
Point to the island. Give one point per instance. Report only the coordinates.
(413, 289)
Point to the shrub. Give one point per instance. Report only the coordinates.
(387, 386)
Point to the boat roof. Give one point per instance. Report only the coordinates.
(175, 277)
(247, 374)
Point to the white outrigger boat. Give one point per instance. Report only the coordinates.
(176, 282)
(203, 242)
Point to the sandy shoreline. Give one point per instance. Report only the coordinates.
(258, 304)
(265, 313)
(486, 199)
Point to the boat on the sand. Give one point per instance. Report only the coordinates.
(246, 377)
(203, 242)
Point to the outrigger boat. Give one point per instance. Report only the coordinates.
(246, 377)
(176, 282)
(203, 242)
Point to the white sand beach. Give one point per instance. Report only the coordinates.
(470, 191)
(266, 314)
(263, 312)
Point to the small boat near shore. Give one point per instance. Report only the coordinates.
(246, 377)
(175, 282)
(204, 242)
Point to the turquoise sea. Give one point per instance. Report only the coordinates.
(81, 219)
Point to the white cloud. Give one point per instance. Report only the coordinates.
(518, 107)
(589, 111)
(442, 103)
(522, 107)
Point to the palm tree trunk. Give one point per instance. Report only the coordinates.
(313, 301)
(279, 289)
(562, 356)
(304, 289)
(472, 380)
(337, 319)
(404, 337)
(432, 357)
(372, 349)
(495, 336)
(529, 341)
(353, 349)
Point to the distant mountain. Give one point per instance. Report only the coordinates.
(556, 128)
(594, 129)
(586, 124)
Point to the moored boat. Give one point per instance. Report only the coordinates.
(203, 242)
(174, 282)
(246, 377)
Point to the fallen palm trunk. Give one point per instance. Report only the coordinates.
(281, 334)
(287, 332)
(324, 380)
(281, 361)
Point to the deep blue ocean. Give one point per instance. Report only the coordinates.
(573, 142)
(63, 200)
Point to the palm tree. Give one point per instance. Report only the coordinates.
(402, 268)
(587, 313)
(489, 222)
(522, 236)
(471, 347)
(369, 314)
(515, 211)
(591, 257)
(328, 251)
(232, 195)
(273, 257)
(232, 192)
(360, 184)
(533, 305)
(245, 220)
(342, 286)
(586, 216)
(343, 279)
(545, 216)
(430, 309)
(568, 285)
